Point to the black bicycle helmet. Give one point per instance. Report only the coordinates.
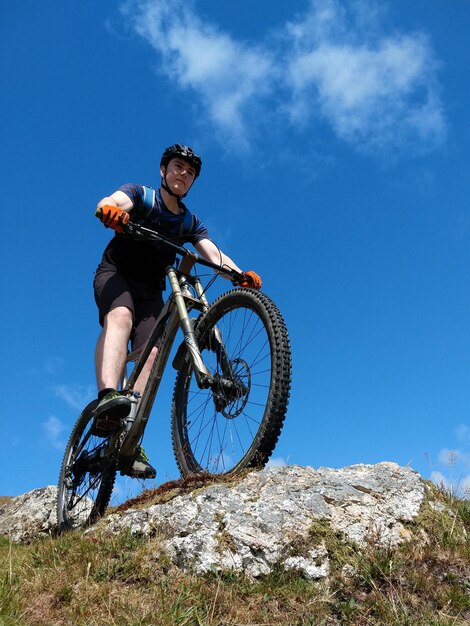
(184, 152)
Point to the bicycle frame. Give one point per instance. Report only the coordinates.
(174, 315)
(242, 367)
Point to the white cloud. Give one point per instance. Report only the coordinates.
(54, 364)
(463, 432)
(453, 474)
(376, 91)
(335, 62)
(277, 462)
(465, 486)
(76, 396)
(448, 457)
(227, 76)
(454, 458)
(54, 430)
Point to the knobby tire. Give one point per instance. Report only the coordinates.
(234, 428)
(85, 487)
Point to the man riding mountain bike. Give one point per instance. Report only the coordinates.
(130, 279)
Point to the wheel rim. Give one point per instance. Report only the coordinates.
(219, 427)
(84, 471)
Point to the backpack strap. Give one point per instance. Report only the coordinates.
(187, 224)
(148, 200)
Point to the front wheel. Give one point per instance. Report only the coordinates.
(87, 476)
(236, 423)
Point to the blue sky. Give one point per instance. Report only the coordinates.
(335, 145)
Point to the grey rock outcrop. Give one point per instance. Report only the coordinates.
(30, 515)
(279, 516)
(267, 519)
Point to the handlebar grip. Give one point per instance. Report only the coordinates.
(112, 217)
(250, 279)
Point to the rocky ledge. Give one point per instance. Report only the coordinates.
(29, 516)
(279, 516)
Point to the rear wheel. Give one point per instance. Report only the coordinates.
(236, 423)
(86, 477)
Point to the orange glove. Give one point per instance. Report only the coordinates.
(251, 280)
(113, 217)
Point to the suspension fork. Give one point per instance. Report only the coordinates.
(203, 377)
(216, 343)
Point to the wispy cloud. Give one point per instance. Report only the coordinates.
(336, 62)
(54, 364)
(453, 472)
(463, 433)
(465, 486)
(376, 90)
(277, 462)
(227, 76)
(54, 431)
(50, 366)
(76, 396)
(453, 458)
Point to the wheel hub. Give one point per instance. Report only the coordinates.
(231, 393)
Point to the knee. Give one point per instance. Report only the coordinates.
(120, 317)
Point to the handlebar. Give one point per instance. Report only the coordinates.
(141, 232)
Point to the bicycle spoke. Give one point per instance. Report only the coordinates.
(87, 476)
(221, 427)
(236, 422)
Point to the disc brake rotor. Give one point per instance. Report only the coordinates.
(231, 395)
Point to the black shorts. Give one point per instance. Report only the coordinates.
(113, 289)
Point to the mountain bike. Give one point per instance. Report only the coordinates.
(230, 395)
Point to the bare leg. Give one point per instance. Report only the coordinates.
(111, 349)
(145, 373)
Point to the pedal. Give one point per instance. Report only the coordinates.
(105, 426)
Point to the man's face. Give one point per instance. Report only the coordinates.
(180, 175)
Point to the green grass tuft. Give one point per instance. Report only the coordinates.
(96, 579)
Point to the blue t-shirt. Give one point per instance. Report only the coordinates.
(145, 261)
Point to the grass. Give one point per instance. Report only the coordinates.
(102, 580)
(169, 490)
